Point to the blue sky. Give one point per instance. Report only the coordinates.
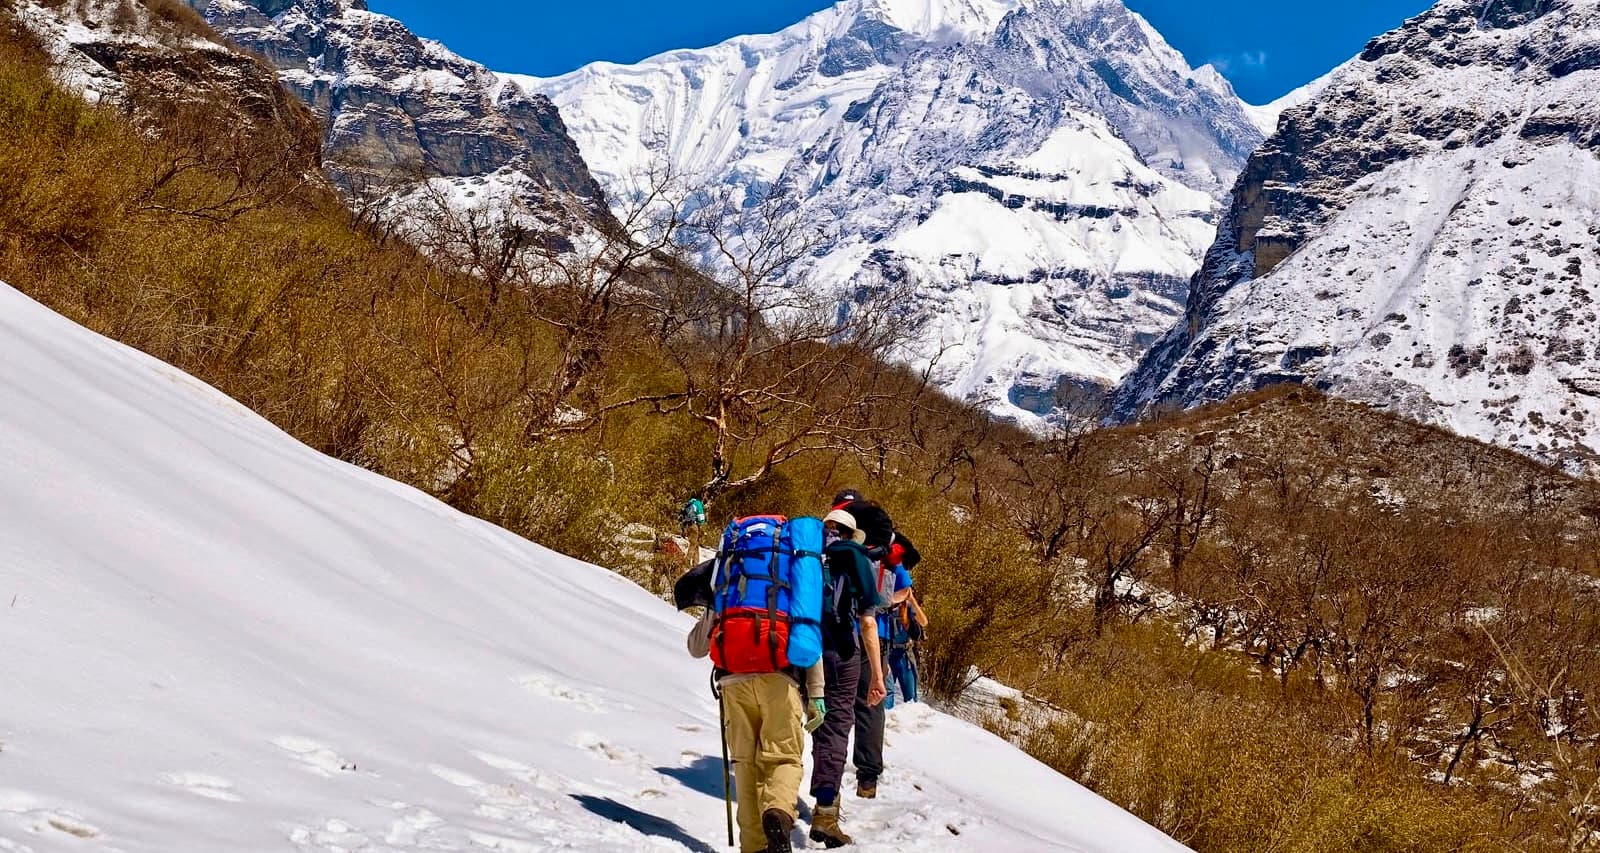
(1266, 47)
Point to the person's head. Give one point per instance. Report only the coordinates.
(846, 496)
(842, 525)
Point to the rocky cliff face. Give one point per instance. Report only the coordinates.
(1424, 235)
(398, 108)
(167, 67)
(1044, 175)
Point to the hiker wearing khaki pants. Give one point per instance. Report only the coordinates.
(765, 724)
(766, 738)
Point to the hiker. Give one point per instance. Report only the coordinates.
(752, 637)
(907, 627)
(849, 646)
(692, 524)
(893, 581)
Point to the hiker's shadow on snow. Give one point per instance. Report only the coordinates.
(644, 822)
(704, 775)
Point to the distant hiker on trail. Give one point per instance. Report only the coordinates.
(762, 628)
(907, 627)
(892, 556)
(692, 524)
(849, 653)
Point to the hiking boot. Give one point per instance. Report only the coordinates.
(825, 827)
(776, 823)
(866, 791)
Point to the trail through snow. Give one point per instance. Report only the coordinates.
(223, 641)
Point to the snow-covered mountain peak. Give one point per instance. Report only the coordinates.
(1042, 174)
(1266, 115)
(1420, 235)
(940, 19)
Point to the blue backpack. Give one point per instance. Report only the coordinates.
(767, 595)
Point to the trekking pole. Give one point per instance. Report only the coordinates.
(722, 729)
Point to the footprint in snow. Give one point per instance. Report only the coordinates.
(506, 845)
(509, 765)
(413, 828)
(16, 802)
(203, 785)
(315, 757)
(455, 777)
(42, 820)
(596, 745)
(520, 771)
(549, 687)
(334, 835)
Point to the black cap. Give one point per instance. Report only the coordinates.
(846, 496)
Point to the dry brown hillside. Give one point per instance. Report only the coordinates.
(1288, 622)
(1353, 446)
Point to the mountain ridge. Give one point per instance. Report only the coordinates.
(871, 130)
(399, 109)
(1421, 236)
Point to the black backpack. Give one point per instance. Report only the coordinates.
(872, 520)
(841, 631)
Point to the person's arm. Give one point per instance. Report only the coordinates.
(816, 681)
(699, 641)
(867, 614)
(876, 691)
(902, 585)
(916, 609)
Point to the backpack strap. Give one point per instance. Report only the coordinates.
(772, 594)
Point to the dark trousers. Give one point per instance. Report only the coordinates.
(831, 742)
(868, 756)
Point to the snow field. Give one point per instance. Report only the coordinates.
(223, 641)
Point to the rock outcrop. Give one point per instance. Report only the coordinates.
(397, 108)
(169, 70)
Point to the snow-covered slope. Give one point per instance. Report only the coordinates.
(1425, 235)
(215, 639)
(1044, 173)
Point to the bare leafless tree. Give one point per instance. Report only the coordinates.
(773, 367)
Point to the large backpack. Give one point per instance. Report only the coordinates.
(884, 572)
(767, 594)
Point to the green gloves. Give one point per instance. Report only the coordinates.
(816, 712)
